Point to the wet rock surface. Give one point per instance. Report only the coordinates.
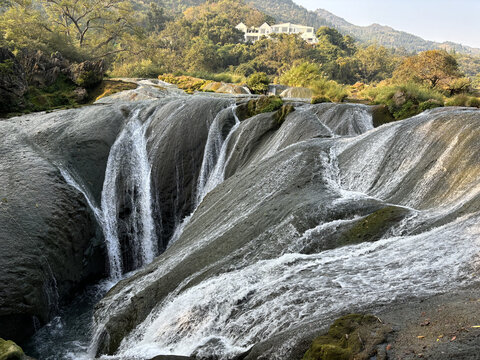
(291, 194)
(50, 242)
(320, 215)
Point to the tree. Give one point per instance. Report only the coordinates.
(375, 63)
(301, 75)
(95, 23)
(433, 68)
(89, 27)
(258, 83)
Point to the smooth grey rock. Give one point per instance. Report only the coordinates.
(49, 243)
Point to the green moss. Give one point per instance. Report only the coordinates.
(353, 336)
(381, 115)
(320, 99)
(58, 95)
(283, 112)
(6, 67)
(10, 351)
(374, 226)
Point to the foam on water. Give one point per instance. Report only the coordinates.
(232, 308)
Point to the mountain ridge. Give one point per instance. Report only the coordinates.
(289, 11)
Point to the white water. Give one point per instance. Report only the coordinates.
(128, 157)
(127, 174)
(227, 314)
(243, 307)
(212, 172)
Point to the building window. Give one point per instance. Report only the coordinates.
(309, 30)
(284, 29)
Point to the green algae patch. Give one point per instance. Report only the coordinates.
(353, 336)
(10, 351)
(374, 226)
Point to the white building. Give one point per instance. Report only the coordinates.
(253, 34)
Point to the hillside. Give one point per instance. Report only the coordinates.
(288, 11)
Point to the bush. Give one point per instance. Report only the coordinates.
(258, 83)
(329, 89)
(302, 75)
(463, 100)
(429, 104)
(245, 70)
(141, 69)
(474, 102)
(319, 99)
(404, 100)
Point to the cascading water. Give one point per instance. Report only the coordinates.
(127, 179)
(251, 262)
(212, 172)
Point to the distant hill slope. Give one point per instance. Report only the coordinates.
(288, 11)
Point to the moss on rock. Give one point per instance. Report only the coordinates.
(265, 104)
(381, 115)
(374, 226)
(353, 336)
(10, 351)
(282, 113)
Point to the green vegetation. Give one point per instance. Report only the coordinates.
(10, 351)
(350, 337)
(435, 69)
(194, 43)
(373, 226)
(404, 100)
(258, 83)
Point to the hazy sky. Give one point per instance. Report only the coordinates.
(438, 20)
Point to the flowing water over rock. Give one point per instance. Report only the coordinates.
(266, 231)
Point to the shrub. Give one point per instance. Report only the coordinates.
(474, 102)
(302, 75)
(319, 99)
(463, 100)
(258, 83)
(429, 104)
(329, 89)
(140, 69)
(245, 70)
(459, 100)
(404, 100)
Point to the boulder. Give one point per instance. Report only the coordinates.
(88, 73)
(225, 88)
(13, 84)
(297, 93)
(399, 98)
(10, 351)
(81, 94)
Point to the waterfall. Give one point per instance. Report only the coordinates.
(212, 172)
(126, 201)
(127, 178)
